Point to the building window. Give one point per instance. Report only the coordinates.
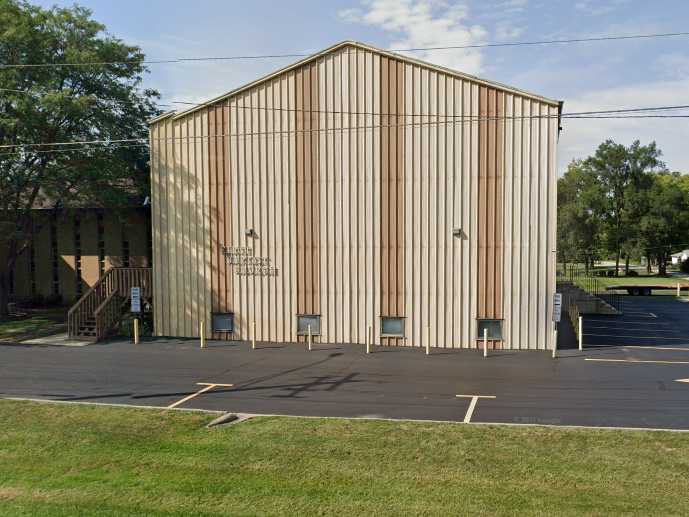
(125, 253)
(101, 243)
(392, 326)
(304, 321)
(222, 322)
(54, 255)
(32, 267)
(149, 241)
(77, 255)
(494, 328)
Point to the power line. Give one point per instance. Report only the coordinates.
(73, 149)
(389, 114)
(143, 141)
(300, 54)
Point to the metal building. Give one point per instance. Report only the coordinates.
(358, 188)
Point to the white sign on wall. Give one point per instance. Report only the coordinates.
(136, 299)
(557, 307)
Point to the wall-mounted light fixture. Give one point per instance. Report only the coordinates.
(457, 232)
(249, 232)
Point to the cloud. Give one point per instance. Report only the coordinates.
(598, 7)
(581, 137)
(505, 30)
(425, 23)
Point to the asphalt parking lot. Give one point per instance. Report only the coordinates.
(627, 376)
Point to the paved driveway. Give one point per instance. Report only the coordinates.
(605, 385)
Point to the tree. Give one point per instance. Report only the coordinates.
(622, 172)
(580, 201)
(666, 219)
(103, 102)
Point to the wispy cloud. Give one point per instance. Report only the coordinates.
(598, 7)
(424, 23)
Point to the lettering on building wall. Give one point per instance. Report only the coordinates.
(246, 264)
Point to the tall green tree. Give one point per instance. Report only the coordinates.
(664, 225)
(622, 171)
(580, 202)
(47, 104)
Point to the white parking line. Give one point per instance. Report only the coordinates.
(472, 404)
(626, 327)
(208, 386)
(635, 361)
(637, 337)
(651, 347)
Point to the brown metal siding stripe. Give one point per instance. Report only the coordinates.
(308, 192)
(489, 243)
(491, 204)
(392, 215)
(213, 197)
(401, 208)
(482, 202)
(315, 179)
(499, 204)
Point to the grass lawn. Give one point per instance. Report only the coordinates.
(39, 323)
(647, 280)
(89, 460)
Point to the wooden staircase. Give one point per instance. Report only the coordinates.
(102, 307)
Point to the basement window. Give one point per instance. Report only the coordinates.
(306, 320)
(222, 322)
(494, 328)
(392, 326)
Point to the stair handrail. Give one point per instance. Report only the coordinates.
(89, 301)
(106, 314)
(115, 281)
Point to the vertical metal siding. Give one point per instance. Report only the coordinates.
(359, 218)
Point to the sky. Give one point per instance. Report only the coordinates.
(586, 76)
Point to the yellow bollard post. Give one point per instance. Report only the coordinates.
(253, 335)
(485, 342)
(368, 344)
(202, 333)
(428, 340)
(308, 338)
(136, 331)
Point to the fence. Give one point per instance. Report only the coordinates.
(584, 279)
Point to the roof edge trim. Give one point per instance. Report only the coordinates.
(363, 46)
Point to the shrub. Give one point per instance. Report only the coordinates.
(631, 272)
(684, 267)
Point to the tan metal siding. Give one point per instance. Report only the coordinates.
(359, 218)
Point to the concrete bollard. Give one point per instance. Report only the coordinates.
(308, 338)
(368, 343)
(555, 341)
(202, 333)
(485, 342)
(428, 340)
(253, 335)
(370, 339)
